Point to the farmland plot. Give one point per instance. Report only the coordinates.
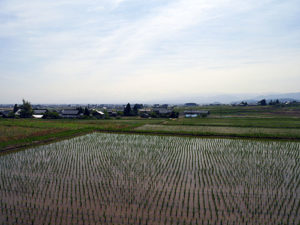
(136, 179)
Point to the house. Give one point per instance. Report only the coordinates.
(6, 113)
(162, 111)
(98, 114)
(39, 113)
(193, 114)
(70, 113)
(18, 112)
(252, 104)
(112, 113)
(165, 113)
(145, 112)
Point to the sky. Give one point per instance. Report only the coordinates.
(118, 51)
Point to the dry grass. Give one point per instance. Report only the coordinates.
(13, 132)
(9, 133)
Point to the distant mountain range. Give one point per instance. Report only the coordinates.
(231, 98)
(295, 96)
(281, 97)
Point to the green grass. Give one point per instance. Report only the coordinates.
(24, 132)
(20, 132)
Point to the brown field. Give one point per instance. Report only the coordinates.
(136, 179)
(247, 131)
(9, 133)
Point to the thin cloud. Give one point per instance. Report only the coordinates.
(107, 45)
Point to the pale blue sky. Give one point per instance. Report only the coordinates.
(101, 51)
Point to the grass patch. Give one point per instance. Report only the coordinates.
(26, 132)
(224, 131)
(239, 122)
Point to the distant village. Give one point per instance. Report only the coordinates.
(106, 111)
(102, 111)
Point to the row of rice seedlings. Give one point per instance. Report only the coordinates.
(135, 179)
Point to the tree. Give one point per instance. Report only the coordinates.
(174, 114)
(275, 102)
(51, 115)
(135, 109)
(80, 110)
(106, 114)
(127, 110)
(26, 110)
(154, 115)
(11, 115)
(86, 111)
(16, 108)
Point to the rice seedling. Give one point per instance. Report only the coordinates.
(137, 179)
